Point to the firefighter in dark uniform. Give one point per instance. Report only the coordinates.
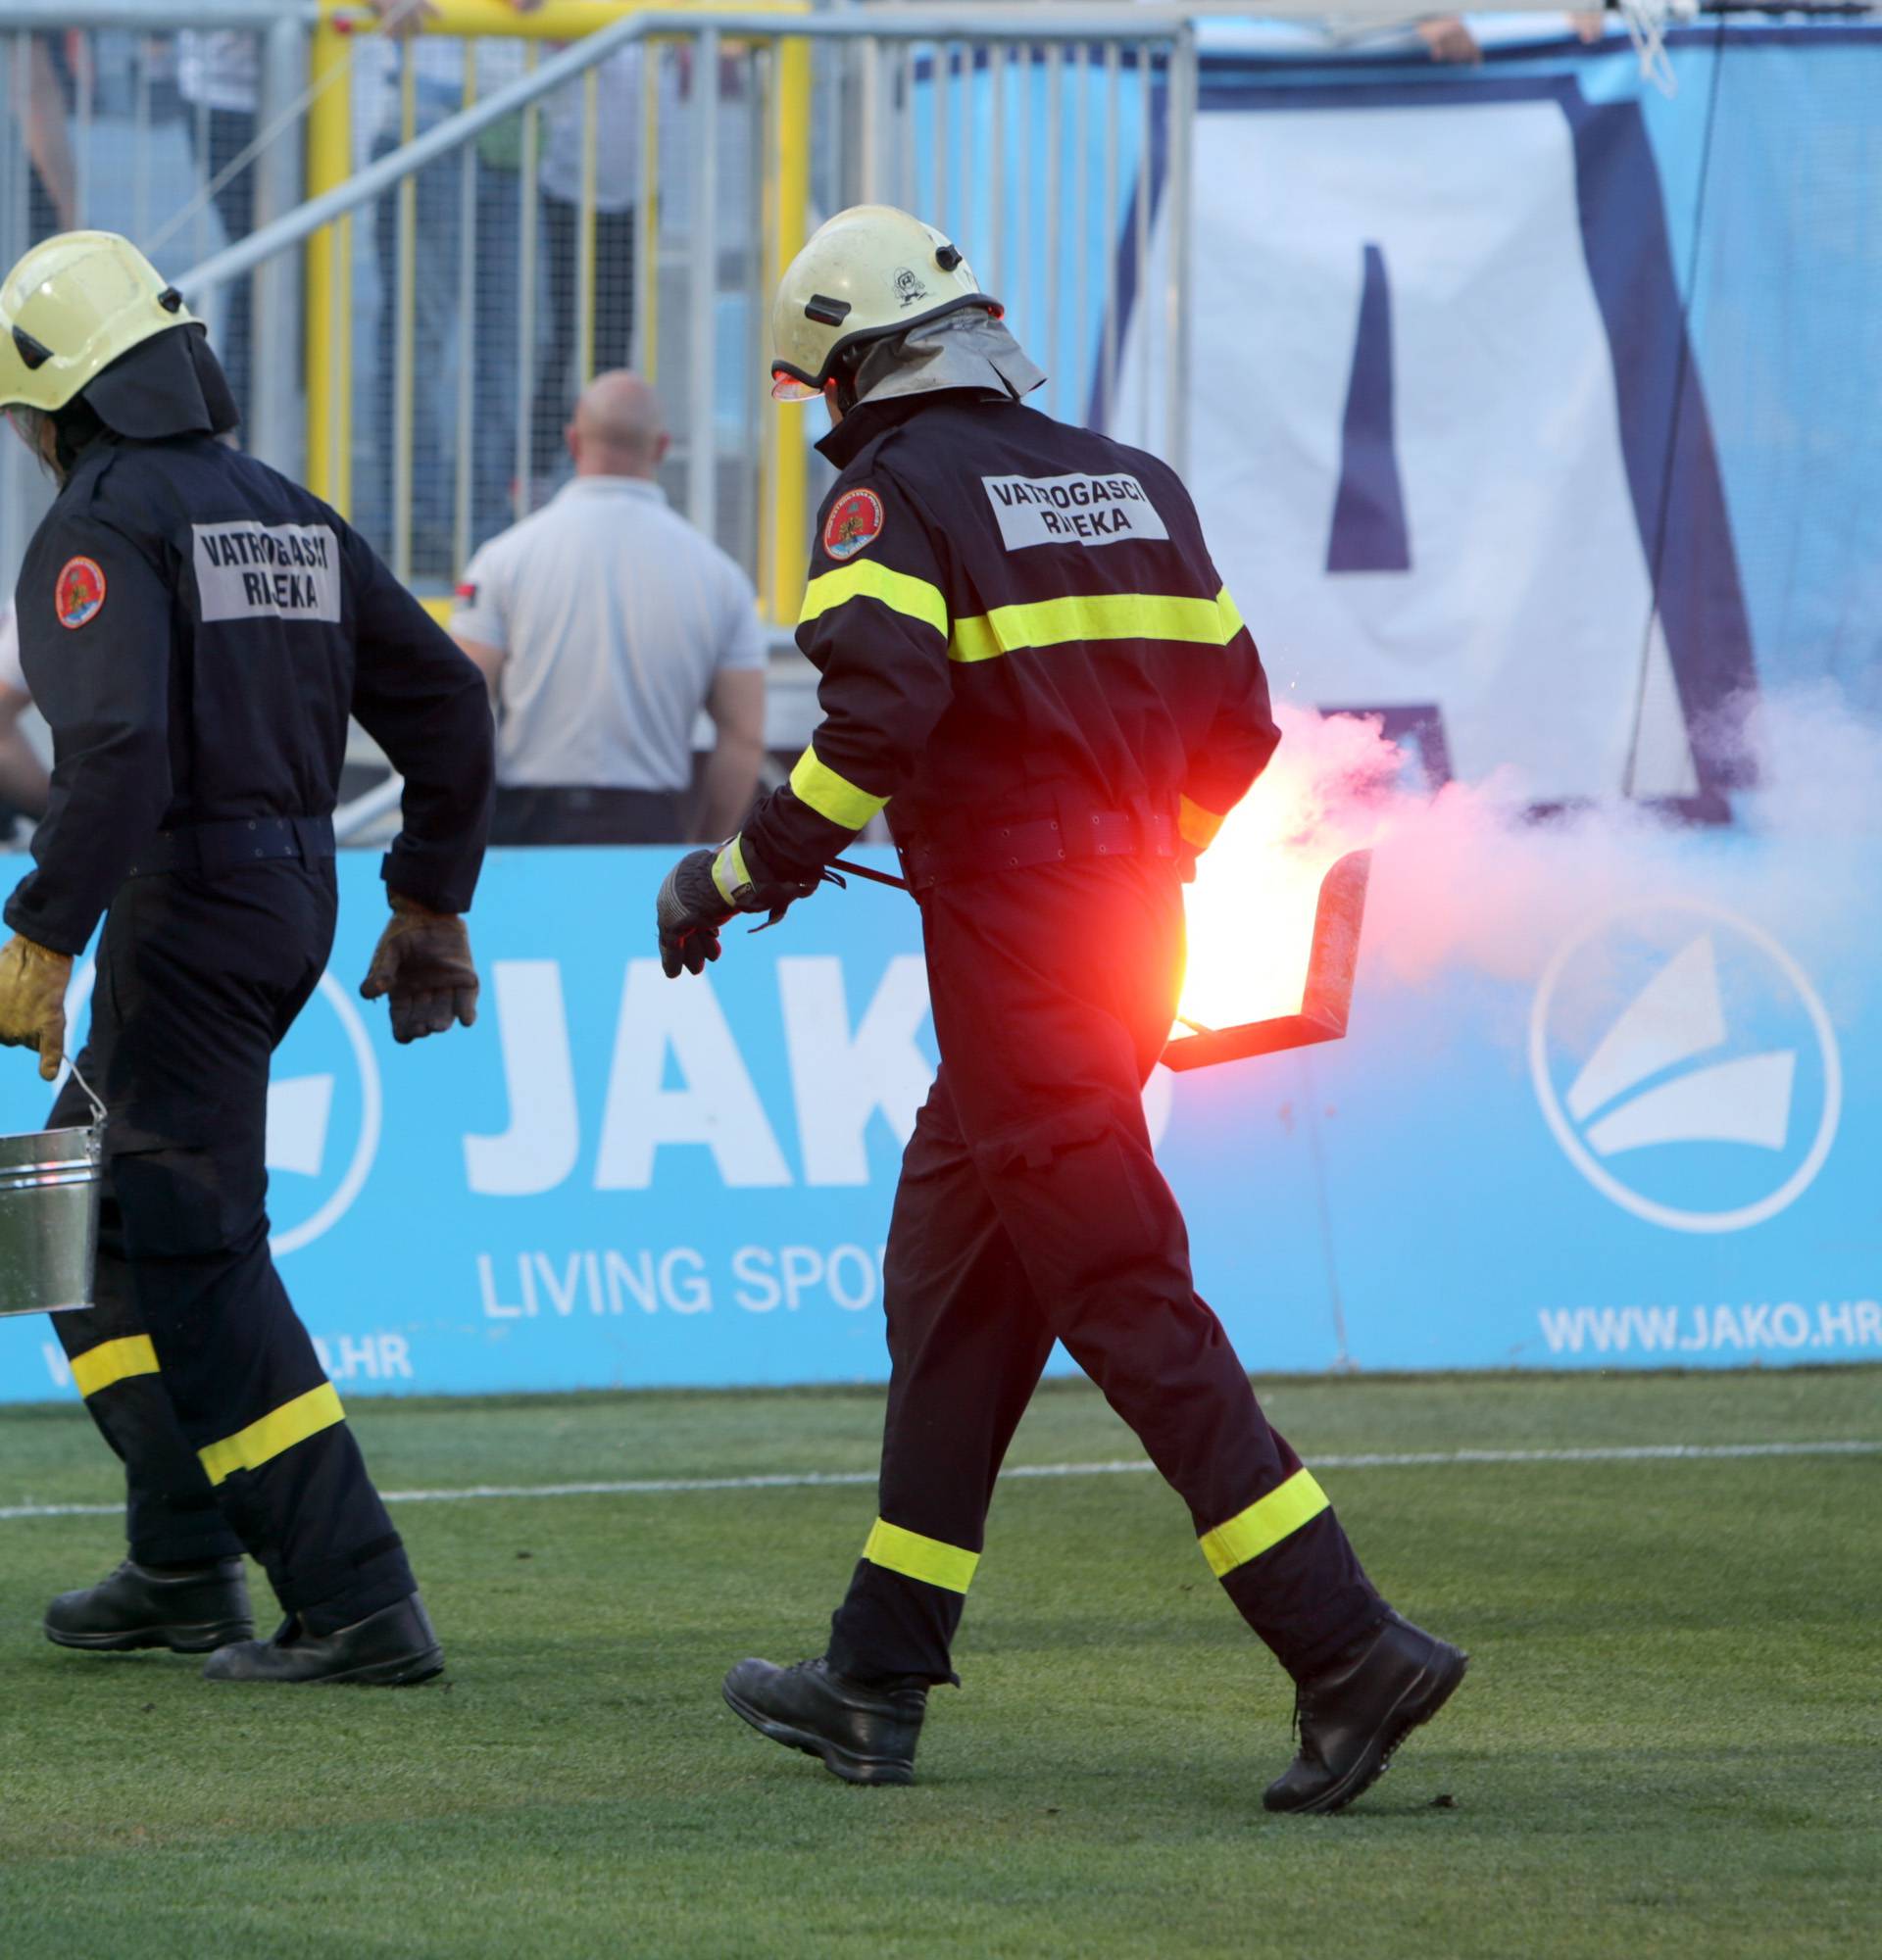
(1027, 657)
(196, 630)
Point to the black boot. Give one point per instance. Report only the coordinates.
(1353, 1715)
(862, 1734)
(190, 1611)
(390, 1648)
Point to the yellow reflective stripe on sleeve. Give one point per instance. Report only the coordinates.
(1264, 1525)
(112, 1361)
(278, 1430)
(1097, 616)
(1231, 615)
(729, 869)
(900, 591)
(831, 796)
(916, 1557)
(1195, 826)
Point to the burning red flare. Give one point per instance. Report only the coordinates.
(1250, 910)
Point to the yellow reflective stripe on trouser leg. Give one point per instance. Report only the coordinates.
(112, 1361)
(1096, 615)
(1264, 1525)
(900, 591)
(833, 796)
(278, 1430)
(1195, 826)
(928, 1559)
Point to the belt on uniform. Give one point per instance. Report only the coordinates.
(1046, 839)
(213, 849)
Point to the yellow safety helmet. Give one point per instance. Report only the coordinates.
(869, 273)
(71, 306)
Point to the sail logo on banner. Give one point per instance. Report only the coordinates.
(1072, 510)
(246, 571)
(1687, 1066)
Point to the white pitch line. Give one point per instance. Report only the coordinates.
(810, 1480)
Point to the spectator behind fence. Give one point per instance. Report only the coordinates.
(440, 338)
(618, 104)
(604, 623)
(23, 782)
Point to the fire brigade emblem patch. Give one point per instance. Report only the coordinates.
(78, 597)
(854, 523)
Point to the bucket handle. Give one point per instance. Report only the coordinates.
(97, 1108)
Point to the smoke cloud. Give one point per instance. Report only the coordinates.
(1469, 880)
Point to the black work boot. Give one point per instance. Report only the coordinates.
(192, 1610)
(1354, 1713)
(390, 1648)
(862, 1734)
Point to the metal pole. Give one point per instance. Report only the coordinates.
(527, 251)
(1146, 116)
(940, 74)
(868, 118)
(1181, 124)
(82, 189)
(1055, 127)
(1022, 277)
(330, 161)
(1109, 369)
(1081, 228)
(405, 328)
(466, 328)
(274, 411)
(702, 487)
(585, 238)
(140, 142)
(907, 195)
(647, 222)
(997, 170)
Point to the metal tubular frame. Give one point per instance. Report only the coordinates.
(994, 82)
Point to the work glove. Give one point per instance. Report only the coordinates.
(692, 907)
(689, 912)
(423, 961)
(33, 1001)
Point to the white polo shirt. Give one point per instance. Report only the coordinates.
(615, 616)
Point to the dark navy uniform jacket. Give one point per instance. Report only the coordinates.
(1012, 617)
(196, 630)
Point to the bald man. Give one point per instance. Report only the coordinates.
(604, 623)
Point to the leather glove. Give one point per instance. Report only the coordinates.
(693, 903)
(33, 1001)
(689, 912)
(423, 961)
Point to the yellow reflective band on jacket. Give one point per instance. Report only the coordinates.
(1097, 616)
(816, 783)
(278, 1430)
(916, 1557)
(112, 1361)
(900, 591)
(1195, 826)
(729, 869)
(1264, 1525)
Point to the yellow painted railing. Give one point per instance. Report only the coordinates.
(782, 482)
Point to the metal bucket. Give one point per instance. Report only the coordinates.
(50, 1183)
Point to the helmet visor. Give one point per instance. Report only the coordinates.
(787, 386)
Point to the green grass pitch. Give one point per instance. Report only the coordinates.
(1670, 1742)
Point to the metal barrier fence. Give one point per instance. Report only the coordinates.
(453, 231)
(179, 126)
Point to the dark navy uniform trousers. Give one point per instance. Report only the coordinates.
(192, 1360)
(1031, 1211)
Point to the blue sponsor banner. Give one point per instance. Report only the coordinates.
(1654, 1147)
